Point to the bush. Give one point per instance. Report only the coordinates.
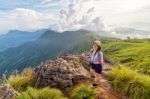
(21, 81)
(45, 93)
(83, 92)
(130, 83)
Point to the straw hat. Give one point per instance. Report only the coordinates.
(97, 42)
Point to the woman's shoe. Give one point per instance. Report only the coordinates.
(94, 85)
(92, 76)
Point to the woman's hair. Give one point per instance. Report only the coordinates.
(98, 43)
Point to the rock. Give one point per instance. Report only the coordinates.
(7, 92)
(62, 73)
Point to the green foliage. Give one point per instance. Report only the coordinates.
(83, 92)
(21, 81)
(45, 93)
(133, 53)
(130, 83)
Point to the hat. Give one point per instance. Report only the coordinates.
(97, 42)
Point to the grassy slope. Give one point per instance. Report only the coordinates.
(131, 53)
(136, 55)
(130, 83)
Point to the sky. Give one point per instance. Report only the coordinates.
(63, 15)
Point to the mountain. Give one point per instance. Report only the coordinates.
(16, 37)
(48, 46)
(123, 32)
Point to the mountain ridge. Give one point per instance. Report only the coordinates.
(15, 38)
(49, 45)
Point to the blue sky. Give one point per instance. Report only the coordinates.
(62, 15)
(37, 5)
(12, 4)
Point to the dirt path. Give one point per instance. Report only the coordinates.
(105, 90)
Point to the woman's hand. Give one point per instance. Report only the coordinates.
(86, 56)
(101, 61)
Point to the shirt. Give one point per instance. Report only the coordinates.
(95, 58)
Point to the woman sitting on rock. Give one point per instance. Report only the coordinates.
(96, 61)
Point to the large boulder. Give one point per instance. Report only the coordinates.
(63, 73)
(7, 92)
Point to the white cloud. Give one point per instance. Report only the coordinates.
(76, 16)
(62, 15)
(25, 19)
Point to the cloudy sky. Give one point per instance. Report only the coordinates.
(62, 15)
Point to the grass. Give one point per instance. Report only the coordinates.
(134, 53)
(130, 83)
(83, 92)
(44, 93)
(20, 82)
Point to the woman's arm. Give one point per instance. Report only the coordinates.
(87, 55)
(101, 59)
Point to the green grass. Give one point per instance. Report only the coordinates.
(20, 82)
(134, 53)
(83, 92)
(45, 93)
(130, 83)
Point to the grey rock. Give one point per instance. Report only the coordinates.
(62, 73)
(7, 92)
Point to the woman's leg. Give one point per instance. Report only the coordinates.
(94, 75)
(98, 78)
(92, 72)
(98, 73)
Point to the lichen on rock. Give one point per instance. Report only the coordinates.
(63, 73)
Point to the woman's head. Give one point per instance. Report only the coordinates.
(96, 45)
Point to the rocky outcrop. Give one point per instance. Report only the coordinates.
(7, 92)
(62, 73)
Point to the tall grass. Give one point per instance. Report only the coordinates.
(21, 81)
(83, 92)
(133, 54)
(130, 83)
(45, 93)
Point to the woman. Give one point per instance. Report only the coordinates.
(96, 61)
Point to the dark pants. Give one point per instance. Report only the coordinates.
(97, 68)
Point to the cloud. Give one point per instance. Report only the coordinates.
(62, 15)
(75, 17)
(25, 19)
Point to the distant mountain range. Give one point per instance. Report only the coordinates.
(48, 46)
(123, 32)
(15, 38)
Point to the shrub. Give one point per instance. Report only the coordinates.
(130, 83)
(21, 81)
(83, 92)
(45, 93)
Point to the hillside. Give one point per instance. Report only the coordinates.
(132, 53)
(15, 38)
(67, 77)
(50, 45)
(67, 74)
